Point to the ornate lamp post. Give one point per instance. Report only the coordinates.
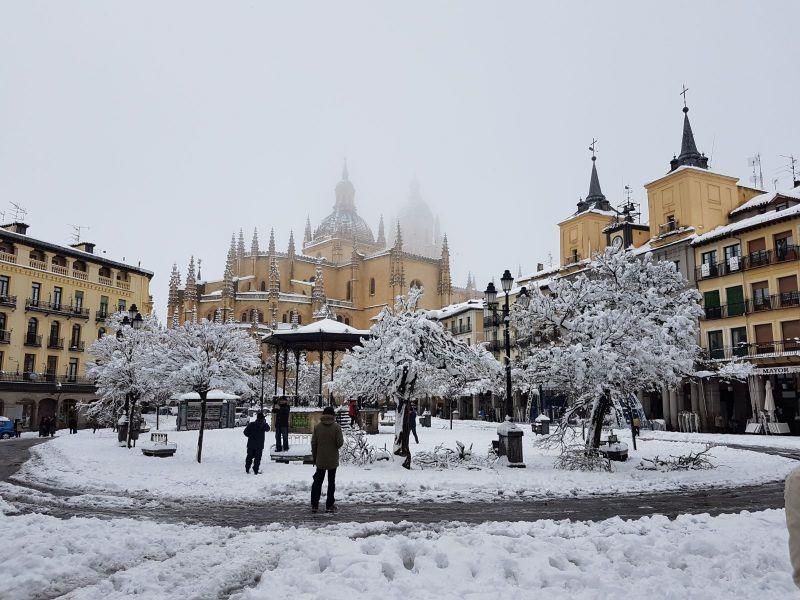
(506, 282)
(132, 319)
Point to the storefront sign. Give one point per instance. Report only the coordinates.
(777, 370)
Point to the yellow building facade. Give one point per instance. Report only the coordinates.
(54, 300)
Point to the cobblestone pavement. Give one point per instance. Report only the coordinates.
(65, 504)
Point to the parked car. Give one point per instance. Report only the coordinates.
(6, 428)
(242, 418)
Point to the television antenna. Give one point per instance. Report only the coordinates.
(757, 178)
(19, 211)
(76, 232)
(792, 165)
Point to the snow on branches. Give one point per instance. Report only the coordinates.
(628, 323)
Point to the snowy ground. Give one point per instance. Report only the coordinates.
(93, 463)
(788, 442)
(725, 557)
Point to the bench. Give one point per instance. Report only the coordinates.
(158, 446)
(299, 450)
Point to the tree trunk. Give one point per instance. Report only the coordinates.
(130, 408)
(202, 425)
(402, 427)
(600, 407)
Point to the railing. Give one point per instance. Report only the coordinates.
(8, 301)
(61, 270)
(33, 377)
(82, 275)
(749, 306)
(101, 315)
(41, 265)
(55, 343)
(668, 227)
(76, 346)
(495, 345)
(754, 260)
(460, 329)
(572, 259)
(33, 340)
(105, 281)
(37, 264)
(123, 285)
(5, 337)
(492, 320)
(8, 257)
(56, 308)
(759, 350)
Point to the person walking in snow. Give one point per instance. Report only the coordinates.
(325, 443)
(255, 431)
(73, 422)
(412, 422)
(281, 425)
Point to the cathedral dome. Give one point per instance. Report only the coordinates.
(420, 227)
(344, 221)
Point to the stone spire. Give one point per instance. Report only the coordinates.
(398, 238)
(274, 279)
(240, 246)
(232, 254)
(190, 293)
(689, 155)
(318, 297)
(307, 234)
(174, 284)
(381, 234)
(254, 243)
(445, 281)
(291, 251)
(595, 198)
(397, 276)
(272, 242)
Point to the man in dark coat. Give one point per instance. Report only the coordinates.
(281, 411)
(255, 432)
(73, 422)
(325, 443)
(412, 422)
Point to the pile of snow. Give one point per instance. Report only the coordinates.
(725, 557)
(94, 464)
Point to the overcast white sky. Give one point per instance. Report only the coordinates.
(165, 126)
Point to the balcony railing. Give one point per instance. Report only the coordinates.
(754, 260)
(55, 343)
(668, 227)
(33, 340)
(752, 305)
(8, 257)
(8, 301)
(754, 350)
(76, 346)
(101, 315)
(105, 281)
(50, 308)
(39, 265)
(33, 377)
(123, 285)
(5, 337)
(461, 329)
(82, 275)
(59, 269)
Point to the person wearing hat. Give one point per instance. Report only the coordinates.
(255, 431)
(325, 443)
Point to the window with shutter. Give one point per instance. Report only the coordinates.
(735, 299)
(787, 289)
(764, 342)
(791, 335)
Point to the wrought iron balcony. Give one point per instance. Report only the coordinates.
(33, 377)
(754, 350)
(56, 308)
(33, 340)
(10, 301)
(102, 314)
(461, 329)
(749, 306)
(76, 346)
(55, 343)
(754, 260)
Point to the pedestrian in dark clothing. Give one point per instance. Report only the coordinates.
(412, 422)
(281, 425)
(17, 428)
(255, 431)
(73, 422)
(43, 427)
(325, 443)
(93, 424)
(53, 425)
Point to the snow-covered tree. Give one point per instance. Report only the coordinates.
(628, 323)
(206, 355)
(405, 346)
(124, 368)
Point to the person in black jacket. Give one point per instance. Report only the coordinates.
(255, 432)
(281, 425)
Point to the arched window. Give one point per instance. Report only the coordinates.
(260, 317)
(285, 318)
(244, 317)
(347, 320)
(263, 286)
(101, 332)
(371, 286)
(339, 319)
(349, 292)
(55, 329)
(299, 319)
(2, 321)
(33, 327)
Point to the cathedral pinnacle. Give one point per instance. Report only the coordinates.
(307, 234)
(381, 235)
(254, 243)
(240, 246)
(398, 238)
(272, 242)
(291, 251)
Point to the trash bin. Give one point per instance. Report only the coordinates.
(510, 443)
(541, 424)
(425, 419)
(122, 431)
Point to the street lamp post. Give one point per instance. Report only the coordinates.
(134, 320)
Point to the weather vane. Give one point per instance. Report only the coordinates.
(592, 147)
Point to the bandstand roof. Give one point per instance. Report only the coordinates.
(326, 335)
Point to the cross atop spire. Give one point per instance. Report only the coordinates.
(593, 148)
(689, 156)
(595, 198)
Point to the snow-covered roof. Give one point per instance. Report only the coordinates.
(212, 395)
(456, 309)
(648, 246)
(764, 199)
(541, 273)
(596, 211)
(327, 326)
(727, 230)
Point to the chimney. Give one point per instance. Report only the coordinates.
(539, 267)
(87, 247)
(16, 227)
